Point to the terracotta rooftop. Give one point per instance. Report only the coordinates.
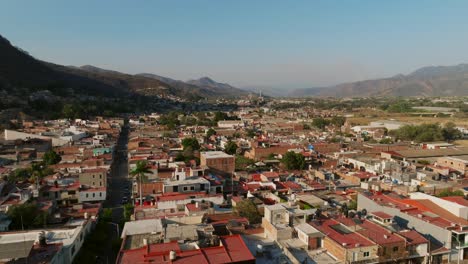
(232, 249)
(341, 234)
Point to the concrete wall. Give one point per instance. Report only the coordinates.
(95, 179)
(174, 204)
(456, 209)
(13, 135)
(403, 219)
(98, 196)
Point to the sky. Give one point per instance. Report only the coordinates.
(280, 44)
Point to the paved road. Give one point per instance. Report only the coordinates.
(116, 186)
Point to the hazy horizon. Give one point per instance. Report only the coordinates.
(260, 44)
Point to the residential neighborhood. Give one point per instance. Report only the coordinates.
(266, 186)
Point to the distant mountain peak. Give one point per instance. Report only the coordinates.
(425, 81)
(208, 82)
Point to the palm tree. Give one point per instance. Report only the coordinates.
(139, 171)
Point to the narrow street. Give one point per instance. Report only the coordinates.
(116, 189)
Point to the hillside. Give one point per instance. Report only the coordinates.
(204, 85)
(22, 74)
(426, 81)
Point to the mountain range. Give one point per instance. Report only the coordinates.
(21, 73)
(426, 81)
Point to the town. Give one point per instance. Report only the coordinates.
(269, 181)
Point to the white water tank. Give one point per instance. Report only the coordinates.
(172, 255)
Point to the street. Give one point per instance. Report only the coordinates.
(115, 191)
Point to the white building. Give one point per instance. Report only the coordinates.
(19, 245)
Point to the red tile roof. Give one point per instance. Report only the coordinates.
(270, 174)
(382, 215)
(457, 199)
(346, 239)
(193, 207)
(413, 237)
(232, 249)
(372, 231)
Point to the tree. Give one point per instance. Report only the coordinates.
(190, 142)
(419, 133)
(242, 162)
(250, 133)
(27, 215)
(450, 132)
(19, 175)
(352, 205)
(320, 123)
(386, 141)
(293, 161)
(139, 171)
(246, 208)
(338, 121)
(447, 192)
(230, 147)
(128, 211)
(51, 157)
(210, 132)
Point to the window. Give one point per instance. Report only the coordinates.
(100, 183)
(192, 188)
(94, 195)
(86, 195)
(93, 176)
(100, 176)
(185, 188)
(395, 249)
(100, 194)
(366, 254)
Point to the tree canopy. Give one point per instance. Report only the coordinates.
(26, 215)
(230, 147)
(210, 132)
(447, 192)
(320, 122)
(246, 208)
(51, 157)
(293, 161)
(190, 142)
(427, 132)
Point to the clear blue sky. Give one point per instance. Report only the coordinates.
(290, 44)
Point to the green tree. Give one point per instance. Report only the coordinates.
(293, 161)
(447, 192)
(106, 215)
(26, 215)
(338, 121)
(242, 162)
(51, 157)
(250, 133)
(230, 147)
(128, 211)
(210, 132)
(450, 132)
(386, 141)
(220, 116)
(320, 123)
(190, 142)
(246, 208)
(352, 205)
(139, 172)
(20, 174)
